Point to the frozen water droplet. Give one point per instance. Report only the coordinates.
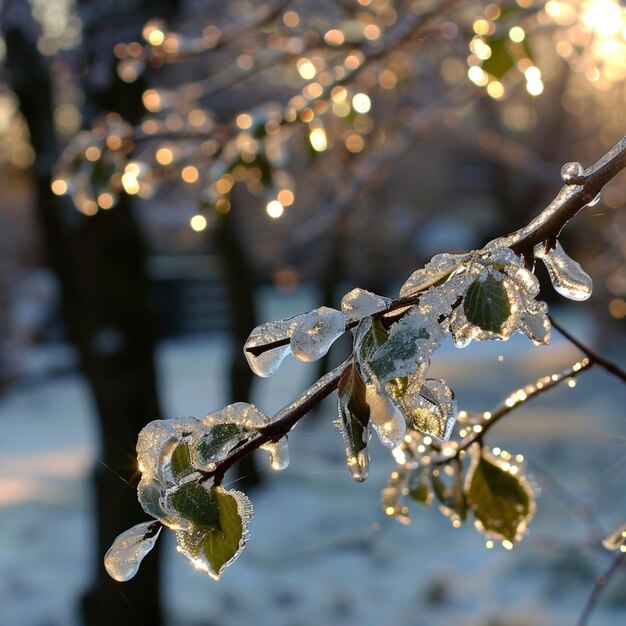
(358, 465)
(128, 550)
(567, 276)
(572, 172)
(360, 303)
(266, 363)
(278, 452)
(316, 333)
(437, 268)
(535, 324)
(595, 200)
(387, 421)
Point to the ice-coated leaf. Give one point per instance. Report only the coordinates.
(266, 363)
(212, 444)
(370, 335)
(219, 532)
(354, 421)
(278, 452)
(567, 276)
(486, 303)
(616, 539)
(124, 557)
(360, 303)
(410, 343)
(316, 333)
(387, 420)
(428, 405)
(180, 462)
(501, 501)
(451, 495)
(418, 487)
(157, 442)
(439, 267)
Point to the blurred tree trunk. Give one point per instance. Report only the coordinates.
(241, 289)
(100, 264)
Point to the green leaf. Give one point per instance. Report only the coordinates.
(486, 304)
(401, 347)
(212, 547)
(500, 501)
(353, 409)
(180, 462)
(195, 503)
(418, 487)
(374, 338)
(501, 60)
(220, 434)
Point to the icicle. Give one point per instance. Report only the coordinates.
(358, 465)
(266, 363)
(567, 276)
(316, 333)
(278, 452)
(124, 557)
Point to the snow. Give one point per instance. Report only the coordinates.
(321, 549)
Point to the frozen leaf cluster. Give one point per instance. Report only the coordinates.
(493, 489)
(176, 458)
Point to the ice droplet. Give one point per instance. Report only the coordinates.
(266, 363)
(386, 419)
(567, 276)
(571, 172)
(316, 333)
(123, 558)
(437, 268)
(360, 303)
(358, 465)
(278, 452)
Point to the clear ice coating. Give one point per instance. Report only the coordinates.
(360, 303)
(316, 333)
(411, 342)
(278, 452)
(215, 543)
(430, 407)
(266, 363)
(567, 276)
(156, 443)
(440, 266)
(387, 421)
(572, 172)
(124, 557)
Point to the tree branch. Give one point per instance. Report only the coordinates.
(601, 582)
(594, 357)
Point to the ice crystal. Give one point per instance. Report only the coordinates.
(572, 172)
(440, 266)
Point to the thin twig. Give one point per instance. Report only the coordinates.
(593, 356)
(601, 582)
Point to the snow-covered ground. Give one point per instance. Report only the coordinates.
(321, 551)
